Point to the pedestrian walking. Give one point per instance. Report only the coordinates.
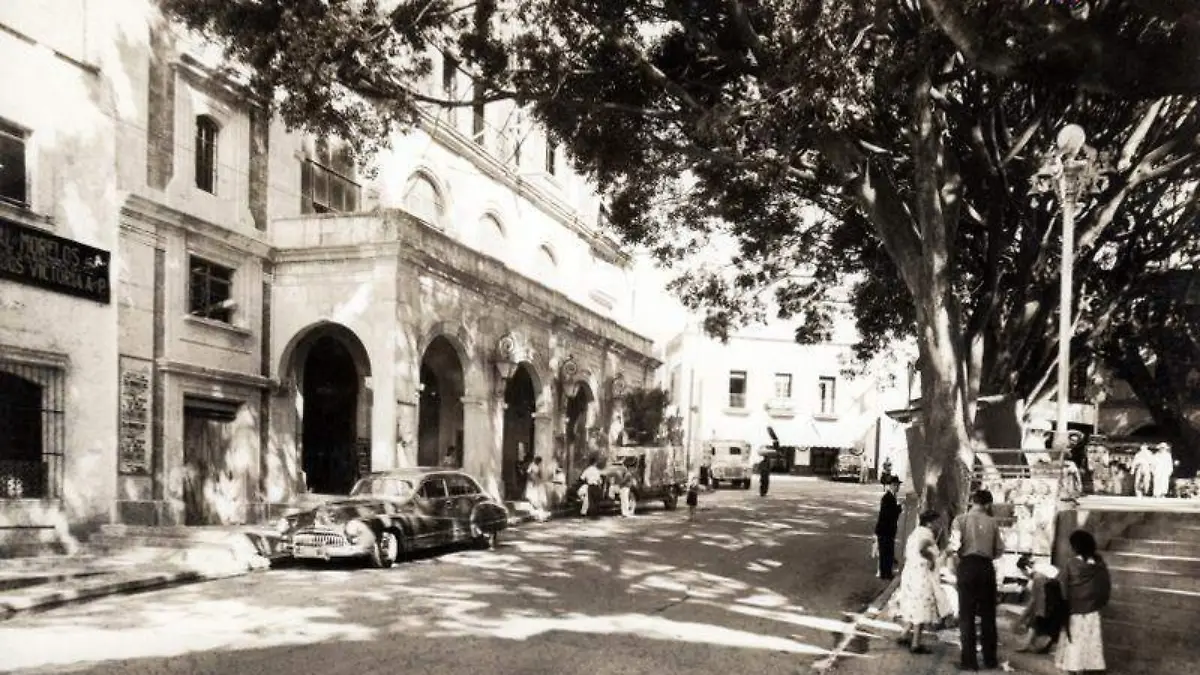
(764, 476)
(1143, 471)
(1087, 586)
(920, 598)
(886, 526)
(693, 495)
(625, 489)
(1164, 466)
(975, 539)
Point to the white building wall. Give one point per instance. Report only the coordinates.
(55, 92)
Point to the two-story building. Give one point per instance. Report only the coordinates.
(278, 323)
(762, 387)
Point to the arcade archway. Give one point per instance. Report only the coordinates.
(520, 403)
(440, 414)
(579, 414)
(335, 409)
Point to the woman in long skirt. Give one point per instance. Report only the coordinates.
(919, 586)
(1087, 586)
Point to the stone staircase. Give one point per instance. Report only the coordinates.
(1152, 624)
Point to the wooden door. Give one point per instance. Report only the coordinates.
(213, 493)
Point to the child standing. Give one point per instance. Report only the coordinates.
(693, 495)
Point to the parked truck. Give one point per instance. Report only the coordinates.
(730, 461)
(659, 473)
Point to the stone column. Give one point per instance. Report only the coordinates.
(543, 446)
(483, 422)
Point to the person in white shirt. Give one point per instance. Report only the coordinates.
(1164, 466)
(1143, 471)
(589, 491)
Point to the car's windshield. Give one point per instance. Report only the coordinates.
(380, 486)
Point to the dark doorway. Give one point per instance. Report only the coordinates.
(577, 424)
(21, 471)
(213, 494)
(330, 421)
(440, 415)
(520, 402)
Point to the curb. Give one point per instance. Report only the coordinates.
(873, 610)
(127, 584)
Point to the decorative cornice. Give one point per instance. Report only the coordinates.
(215, 374)
(152, 212)
(33, 357)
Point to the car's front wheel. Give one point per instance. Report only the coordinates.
(386, 550)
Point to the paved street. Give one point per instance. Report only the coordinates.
(753, 586)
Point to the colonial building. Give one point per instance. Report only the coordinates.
(278, 323)
(761, 382)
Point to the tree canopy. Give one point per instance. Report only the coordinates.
(746, 117)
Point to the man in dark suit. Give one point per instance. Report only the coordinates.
(886, 526)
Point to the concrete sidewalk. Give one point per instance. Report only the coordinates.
(43, 582)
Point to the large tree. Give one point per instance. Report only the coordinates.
(748, 116)
(1140, 48)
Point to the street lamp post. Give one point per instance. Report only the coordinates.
(1071, 170)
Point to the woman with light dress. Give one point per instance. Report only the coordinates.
(918, 596)
(535, 488)
(1086, 585)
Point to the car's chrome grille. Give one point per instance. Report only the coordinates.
(318, 539)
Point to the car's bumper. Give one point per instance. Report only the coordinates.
(322, 551)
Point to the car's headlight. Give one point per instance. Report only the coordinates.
(356, 529)
(283, 525)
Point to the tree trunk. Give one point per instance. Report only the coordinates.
(944, 460)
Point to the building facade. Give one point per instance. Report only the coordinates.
(279, 324)
(762, 382)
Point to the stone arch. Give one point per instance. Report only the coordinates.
(441, 189)
(325, 369)
(464, 346)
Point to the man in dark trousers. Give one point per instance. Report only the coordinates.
(886, 526)
(975, 538)
(764, 476)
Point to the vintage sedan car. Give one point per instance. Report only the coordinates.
(389, 514)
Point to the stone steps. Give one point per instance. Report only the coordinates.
(1148, 577)
(1155, 547)
(1138, 611)
(1168, 564)
(1164, 530)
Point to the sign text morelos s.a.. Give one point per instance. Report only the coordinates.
(37, 258)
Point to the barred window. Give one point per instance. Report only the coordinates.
(32, 434)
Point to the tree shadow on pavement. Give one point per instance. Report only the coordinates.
(732, 582)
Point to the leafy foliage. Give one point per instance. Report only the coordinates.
(865, 144)
(645, 415)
